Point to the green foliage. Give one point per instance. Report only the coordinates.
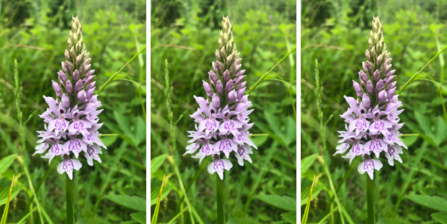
(185, 33)
(35, 34)
(336, 34)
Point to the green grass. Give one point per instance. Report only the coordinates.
(35, 35)
(336, 34)
(185, 33)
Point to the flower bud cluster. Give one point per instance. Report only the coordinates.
(223, 117)
(373, 118)
(72, 118)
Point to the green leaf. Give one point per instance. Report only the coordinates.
(122, 121)
(132, 202)
(289, 216)
(155, 191)
(307, 162)
(440, 216)
(6, 162)
(139, 216)
(290, 134)
(156, 162)
(273, 122)
(258, 140)
(4, 191)
(433, 202)
(306, 191)
(283, 202)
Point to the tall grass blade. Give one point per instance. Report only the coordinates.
(157, 206)
(5, 211)
(306, 211)
(263, 76)
(116, 73)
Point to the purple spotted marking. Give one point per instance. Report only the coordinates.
(368, 165)
(75, 145)
(68, 165)
(55, 149)
(218, 165)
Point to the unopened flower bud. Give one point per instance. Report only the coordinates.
(79, 85)
(369, 87)
(86, 68)
(232, 96)
(373, 52)
(72, 52)
(389, 79)
(226, 75)
(237, 68)
(239, 79)
(68, 66)
(69, 87)
(387, 68)
(67, 55)
(229, 85)
(369, 66)
(379, 85)
(78, 59)
(391, 73)
(62, 76)
(368, 55)
(75, 75)
(65, 101)
(376, 75)
(392, 85)
(229, 58)
(91, 85)
(219, 87)
(241, 72)
(216, 101)
(388, 61)
(240, 93)
(217, 54)
(390, 93)
(357, 87)
(207, 88)
(213, 75)
(379, 59)
(90, 73)
(218, 66)
(382, 96)
(90, 93)
(82, 96)
(363, 76)
(57, 88)
(366, 101)
(242, 85)
(88, 80)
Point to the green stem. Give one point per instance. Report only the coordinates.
(414, 76)
(370, 199)
(220, 200)
(263, 76)
(116, 73)
(69, 195)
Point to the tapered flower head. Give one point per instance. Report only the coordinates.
(71, 119)
(372, 118)
(222, 118)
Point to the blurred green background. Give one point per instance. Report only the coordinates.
(185, 33)
(336, 34)
(35, 33)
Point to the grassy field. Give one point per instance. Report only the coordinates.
(336, 34)
(35, 34)
(185, 34)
